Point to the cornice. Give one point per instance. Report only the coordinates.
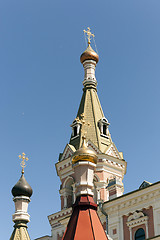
(113, 160)
(62, 163)
(137, 221)
(64, 168)
(110, 169)
(139, 198)
(55, 218)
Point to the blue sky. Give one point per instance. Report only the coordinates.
(41, 87)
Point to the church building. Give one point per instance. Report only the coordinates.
(135, 215)
(131, 216)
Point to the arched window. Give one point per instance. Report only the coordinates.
(103, 125)
(75, 128)
(69, 192)
(140, 234)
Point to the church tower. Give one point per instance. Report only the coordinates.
(110, 168)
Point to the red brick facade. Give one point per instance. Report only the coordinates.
(149, 213)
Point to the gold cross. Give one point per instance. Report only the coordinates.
(23, 164)
(89, 34)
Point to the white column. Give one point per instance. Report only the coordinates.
(98, 195)
(130, 231)
(156, 217)
(74, 195)
(146, 224)
(65, 200)
(121, 227)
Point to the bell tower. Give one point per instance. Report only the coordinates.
(91, 122)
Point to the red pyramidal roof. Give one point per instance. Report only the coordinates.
(84, 222)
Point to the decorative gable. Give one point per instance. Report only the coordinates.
(112, 151)
(93, 147)
(68, 152)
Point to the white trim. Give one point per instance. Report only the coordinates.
(137, 222)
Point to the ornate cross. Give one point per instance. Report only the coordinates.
(24, 158)
(89, 34)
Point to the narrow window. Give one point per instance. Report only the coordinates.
(75, 131)
(140, 234)
(104, 129)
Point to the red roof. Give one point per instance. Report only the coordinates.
(84, 222)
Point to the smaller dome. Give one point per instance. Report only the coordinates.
(84, 154)
(89, 54)
(22, 188)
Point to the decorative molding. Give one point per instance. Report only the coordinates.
(56, 217)
(93, 147)
(64, 164)
(136, 219)
(68, 152)
(112, 151)
(145, 197)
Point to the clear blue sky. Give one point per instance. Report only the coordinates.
(41, 87)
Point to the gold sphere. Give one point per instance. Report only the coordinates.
(84, 154)
(89, 54)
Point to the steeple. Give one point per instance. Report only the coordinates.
(109, 164)
(90, 105)
(21, 192)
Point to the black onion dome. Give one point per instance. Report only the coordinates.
(22, 188)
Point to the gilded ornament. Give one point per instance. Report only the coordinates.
(23, 163)
(89, 34)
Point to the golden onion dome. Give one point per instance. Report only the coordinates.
(84, 154)
(89, 54)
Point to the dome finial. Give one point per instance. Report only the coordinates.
(84, 144)
(89, 34)
(24, 158)
(22, 188)
(89, 53)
